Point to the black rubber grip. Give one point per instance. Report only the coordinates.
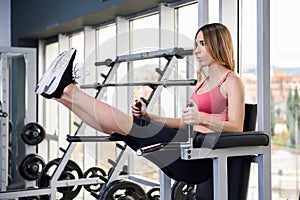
(149, 149)
(138, 105)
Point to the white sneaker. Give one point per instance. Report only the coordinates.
(58, 76)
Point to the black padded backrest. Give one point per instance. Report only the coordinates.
(249, 137)
(238, 167)
(250, 117)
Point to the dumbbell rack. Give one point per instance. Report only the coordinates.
(171, 55)
(7, 54)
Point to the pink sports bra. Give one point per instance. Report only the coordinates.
(212, 102)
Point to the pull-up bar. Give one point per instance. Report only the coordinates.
(164, 83)
(178, 52)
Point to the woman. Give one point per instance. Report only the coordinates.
(218, 100)
(220, 96)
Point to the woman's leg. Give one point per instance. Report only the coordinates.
(83, 115)
(58, 83)
(95, 113)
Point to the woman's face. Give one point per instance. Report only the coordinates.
(201, 53)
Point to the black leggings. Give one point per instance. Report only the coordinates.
(144, 133)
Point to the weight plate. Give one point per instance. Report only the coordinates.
(123, 189)
(91, 173)
(71, 171)
(153, 193)
(33, 133)
(10, 126)
(182, 190)
(31, 166)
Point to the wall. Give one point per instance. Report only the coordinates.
(35, 19)
(5, 31)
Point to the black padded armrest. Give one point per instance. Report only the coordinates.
(113, 137)
(227, 140)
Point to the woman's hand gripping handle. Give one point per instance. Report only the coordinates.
(139, 109)
(190, 129)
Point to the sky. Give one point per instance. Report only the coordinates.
(285, 33)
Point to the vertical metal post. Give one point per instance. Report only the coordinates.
(89, 67)
(4, 122)
(220, 179)
(202, 12)
(296, 143)
(30, 98)
(165, 186)
(123, 47)
(263, 90)
(166, 40)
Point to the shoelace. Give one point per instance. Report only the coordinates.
(78, 70)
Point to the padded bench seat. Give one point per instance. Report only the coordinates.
(227, 140)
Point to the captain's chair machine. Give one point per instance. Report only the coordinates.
(232, 154)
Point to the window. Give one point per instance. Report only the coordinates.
(284, 89)
(49, 120)
(144, 35)
(187, 26)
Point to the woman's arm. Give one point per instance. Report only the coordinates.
(142, 113)
(176, 123)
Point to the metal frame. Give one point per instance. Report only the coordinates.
(7, 53)
(220, 156)
(171, 55)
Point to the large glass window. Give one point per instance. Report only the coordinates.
(187, 26)
(247, 58)
(49, 120)
(213, 11)
(248, 68)
(106, 45)
(144, 38)
(285, 84)
(77, 42)
(106, 49)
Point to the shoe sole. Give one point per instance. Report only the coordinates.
(50, 80)
(42, 83)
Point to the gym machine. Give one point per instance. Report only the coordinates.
(225, 149)
(14, 61)
(62, 179)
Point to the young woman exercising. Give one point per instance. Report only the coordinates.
(218, 99)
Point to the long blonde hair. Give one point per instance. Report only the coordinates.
(218, 43)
